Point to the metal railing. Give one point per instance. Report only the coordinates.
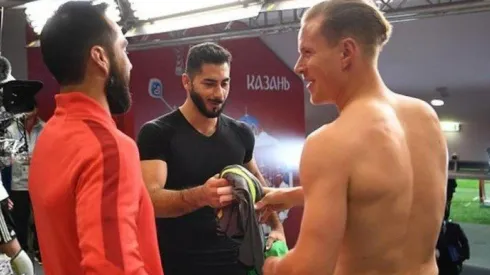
(277, 21)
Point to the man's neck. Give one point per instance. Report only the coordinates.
(203, 124)
(30, 122)
(366, 83)
(93, 91)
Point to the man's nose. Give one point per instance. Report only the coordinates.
(299, 67)
(220, 92)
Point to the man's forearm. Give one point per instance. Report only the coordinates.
(273, 220)
(296, 196)
(175, 203)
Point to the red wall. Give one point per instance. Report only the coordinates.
(279, 112)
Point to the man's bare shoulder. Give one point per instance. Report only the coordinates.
(364, 121)
(416, 106)
(315, 142)
(326, 148)
(328, 135)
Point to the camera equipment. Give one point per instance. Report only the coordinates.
(17, 98)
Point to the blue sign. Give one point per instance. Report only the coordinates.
(155, 88)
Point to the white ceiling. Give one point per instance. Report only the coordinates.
(449, 51)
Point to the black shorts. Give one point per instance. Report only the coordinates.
(7, 232)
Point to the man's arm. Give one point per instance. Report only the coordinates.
(153, 145)
(273, 220)
(279, 199)
(248, 139)
(170, 203)
(324, 175)
(106, 216)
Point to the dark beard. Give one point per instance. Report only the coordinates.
(117, 91)
(201, 106)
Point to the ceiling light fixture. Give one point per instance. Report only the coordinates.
(437, 102)
(301, 4)
(150, 9)
(196, 19)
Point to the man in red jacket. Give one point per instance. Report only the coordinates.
(92, 210)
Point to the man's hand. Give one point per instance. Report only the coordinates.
(216, 192)
(11, 204)
(276, 199)
(275, 235)
(264, 212)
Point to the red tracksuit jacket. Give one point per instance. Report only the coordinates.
(92, 211)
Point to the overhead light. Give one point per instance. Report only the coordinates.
(448, 126)
(290, 5)
(437, 102)
(296, 4)
(148, 9)
(197, 19)
(38, 12)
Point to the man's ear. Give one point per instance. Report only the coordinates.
(101, 58)
(186, 82)
(348, 49)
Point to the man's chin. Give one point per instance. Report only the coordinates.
(213, 113)
(315, 100)
(119, 109)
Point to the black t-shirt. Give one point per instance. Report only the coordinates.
(191, 159)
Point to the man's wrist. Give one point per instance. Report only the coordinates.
(296, 196)
(267, 190)
(193, 197)
(275, 223)
(200, 196)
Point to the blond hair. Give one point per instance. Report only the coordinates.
(358, 19)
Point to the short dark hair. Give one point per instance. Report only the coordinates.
(68, 36)
(205, 53)
(360, 19)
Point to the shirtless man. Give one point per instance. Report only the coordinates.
(373, 180)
